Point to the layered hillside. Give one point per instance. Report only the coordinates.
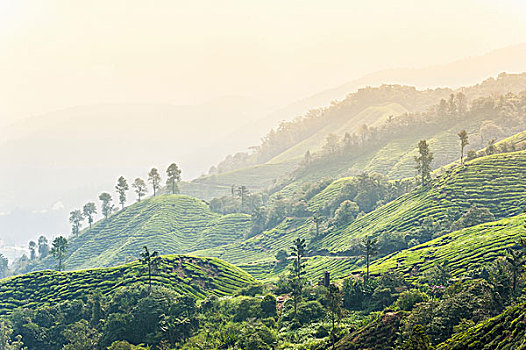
(506, 331)
(184, 274)
(496, 182)
(169, 224)
(282, 150)
(463, 251)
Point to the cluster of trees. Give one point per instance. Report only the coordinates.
(495, 116)
(173, 177)
(288, 133)
(40, 250)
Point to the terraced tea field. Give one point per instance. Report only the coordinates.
(497, 182)
(184, 274)
(315, 267)
(169, 224)
(505, 331)
(463, 250)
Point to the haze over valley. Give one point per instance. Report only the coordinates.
(298, 175)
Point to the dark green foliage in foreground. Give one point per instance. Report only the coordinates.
(506, 331)
(183, 274)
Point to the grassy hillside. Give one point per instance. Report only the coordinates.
(184, 274)
(463, 250)
(169, 224)
(506, 331)
(315, 267)
(497, 182)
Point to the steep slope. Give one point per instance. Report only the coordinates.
(507, 331)
(497, 182)
(372, 116)
(184, 274)
(463, 250)
(391, 154)
(169, 224)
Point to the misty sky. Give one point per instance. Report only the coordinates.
(57, 54)
(82, 68)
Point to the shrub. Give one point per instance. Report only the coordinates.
(409, 298)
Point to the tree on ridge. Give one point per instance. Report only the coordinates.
(140, 188)
(155, 179)
(121, 188)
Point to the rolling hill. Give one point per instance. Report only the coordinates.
(463, 251)
(184, 274)
(506, 331)
(392, 155)
(169, 224)
(496, 182)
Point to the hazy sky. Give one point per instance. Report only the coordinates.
(56, 54)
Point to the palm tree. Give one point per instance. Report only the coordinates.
(463, 135)
(516, 260)
(368, 248)
(298, 252)
(152, 260)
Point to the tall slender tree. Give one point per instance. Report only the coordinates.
(107, 206)
(516, 259)
(4, 263)
(121, 188)
(368, 248)
(88, 210)
(152, 261)
(32, 250)
(140, 188)
(59, 250)
(155, 179)
(298, 268)
(333, 298)
(424, 162)
(75, 218)
(317, 218)
(174, 176)
(242, 192)
(463, 136)
(43, 247)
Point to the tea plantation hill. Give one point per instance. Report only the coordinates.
(463, 251)
(198, 277)
(496, 182)
(168, 224)
(506, 331)
(392, 156)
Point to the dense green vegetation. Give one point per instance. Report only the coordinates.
(345, 249)
(505, 331)
(464, 251)
(413, 218)
(194, 276)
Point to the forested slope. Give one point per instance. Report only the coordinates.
(504, 332)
